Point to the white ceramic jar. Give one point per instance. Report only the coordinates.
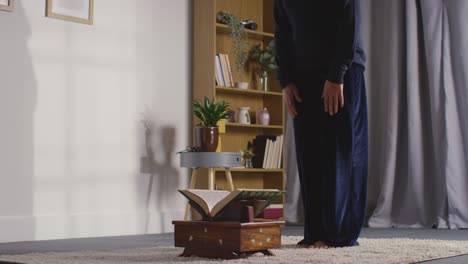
(243, 116)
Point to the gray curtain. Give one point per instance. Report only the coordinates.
(417, 84)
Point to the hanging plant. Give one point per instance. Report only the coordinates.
(238, 36)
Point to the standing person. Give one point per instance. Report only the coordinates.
(321, 71)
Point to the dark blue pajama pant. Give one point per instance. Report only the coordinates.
(332, 159)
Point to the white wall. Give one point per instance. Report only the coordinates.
(71, 100)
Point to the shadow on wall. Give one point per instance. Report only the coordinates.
(17, 104)
(164, 178)
(163, 82)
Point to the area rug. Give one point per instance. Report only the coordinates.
(369, 251)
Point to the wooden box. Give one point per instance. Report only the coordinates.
(226, 240)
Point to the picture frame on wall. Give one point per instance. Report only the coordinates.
(79, 11)
(7, 5)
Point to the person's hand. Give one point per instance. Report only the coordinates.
(290, 96)
(332, 97)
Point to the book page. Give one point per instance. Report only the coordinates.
(275, 206)
(211, 197)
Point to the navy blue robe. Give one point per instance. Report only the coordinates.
(331, 150)
(332, 159)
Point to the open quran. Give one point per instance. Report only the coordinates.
(239, 205)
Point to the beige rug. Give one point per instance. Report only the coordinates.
(370, 251)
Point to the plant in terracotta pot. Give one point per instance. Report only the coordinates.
(209, 113)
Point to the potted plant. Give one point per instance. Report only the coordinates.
(238, 36)
(265, 59)
(209, 113)
(247, 155)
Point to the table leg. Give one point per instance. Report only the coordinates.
(229, 179)
(193, 180)
(211, 178)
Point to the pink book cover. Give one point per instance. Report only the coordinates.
(271, 213)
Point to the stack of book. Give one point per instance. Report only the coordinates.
(268, 151)
(223, 73)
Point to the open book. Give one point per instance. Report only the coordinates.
(212, 202)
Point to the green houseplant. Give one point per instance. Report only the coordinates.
(209, 113)
(265, 59)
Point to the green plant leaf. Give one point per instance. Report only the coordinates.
(209, 113)
(265, 58)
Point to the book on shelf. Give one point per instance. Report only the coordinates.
(213, 203)
(219, 72)
(273, 152)
(260, 144)
(231, 78)
(225, 71)
(265, 153)
(279, 156)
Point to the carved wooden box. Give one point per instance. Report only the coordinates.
(226, 240)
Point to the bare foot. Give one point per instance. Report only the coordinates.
(303, 244)
(318, 244)
(321, 245)
(300, 243)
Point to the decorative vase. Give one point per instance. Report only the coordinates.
(264, 81)
(263, 117)
(206, 138)
(243, 116)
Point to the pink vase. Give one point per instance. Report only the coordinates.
(263, 117)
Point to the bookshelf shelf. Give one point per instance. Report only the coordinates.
(253, 126)
(224, 29)
(251, 170)
(246, 91)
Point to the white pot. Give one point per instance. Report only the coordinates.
(243, 117)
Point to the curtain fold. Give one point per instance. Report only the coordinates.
(418, 103)
(453, 84)
(293, 207)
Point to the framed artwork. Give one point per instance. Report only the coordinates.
(79, 11)
(7, 5)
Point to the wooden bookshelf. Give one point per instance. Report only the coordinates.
(211, 38)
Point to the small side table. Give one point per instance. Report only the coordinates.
(210, 160)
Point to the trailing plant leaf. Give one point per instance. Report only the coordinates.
(238, 36)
